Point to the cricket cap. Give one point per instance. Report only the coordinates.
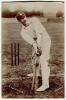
(20, 15)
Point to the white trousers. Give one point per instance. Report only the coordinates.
(43, 60)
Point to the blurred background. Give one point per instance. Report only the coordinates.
(55, 9)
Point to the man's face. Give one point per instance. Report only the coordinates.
(24, 21)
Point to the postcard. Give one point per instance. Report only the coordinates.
(32, 49)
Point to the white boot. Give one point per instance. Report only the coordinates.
(43, 87)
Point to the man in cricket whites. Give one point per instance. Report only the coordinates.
(36, 35)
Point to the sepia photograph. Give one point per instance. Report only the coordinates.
(32, 49)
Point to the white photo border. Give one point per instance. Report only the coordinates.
(1, 49)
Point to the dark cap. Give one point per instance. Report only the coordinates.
(20, 15)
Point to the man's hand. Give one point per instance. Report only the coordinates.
(39, 51)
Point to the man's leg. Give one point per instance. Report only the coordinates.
(36, 72)
(45, 76)
(44, 67)
(34, 59)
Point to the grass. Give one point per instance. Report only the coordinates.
(15, 77)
